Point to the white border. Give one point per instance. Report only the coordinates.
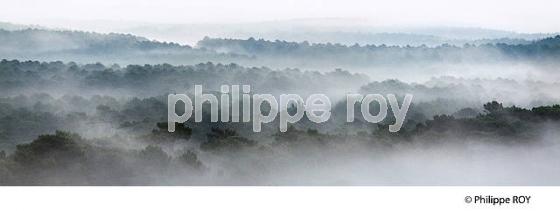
(268, 198)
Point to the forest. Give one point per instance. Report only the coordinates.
(87, 108)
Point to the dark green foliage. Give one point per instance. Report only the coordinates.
(65, 159)
(466, 113)
(511, 123)
(181, 130)
(493, 107)
(25, 124)
(190, 158)
(225, 139)
(312, 132)
(154, 80)
(154, 154)
(58, 150)
(65, 155)
(548, 48)
(549, 112)
(294, 135)
(161, 135)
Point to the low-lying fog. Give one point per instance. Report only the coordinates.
(469, 163)
(480, 115)
(457, 162)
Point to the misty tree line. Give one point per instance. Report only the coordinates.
(547, 49)
(133, 98)
(48, 45)
(90, 42)
(41, 44)
(164, 78)
(68, 158)
(114, 120)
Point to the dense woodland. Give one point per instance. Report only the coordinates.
(542, 50)
(67, 158)
(90, 47)
(83, 108)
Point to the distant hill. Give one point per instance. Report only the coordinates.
(91, 47)
(12, 27)
(547, 47)
(41, 40)
(42, 44)
(314, 30)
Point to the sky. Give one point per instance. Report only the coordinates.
(514, 15)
